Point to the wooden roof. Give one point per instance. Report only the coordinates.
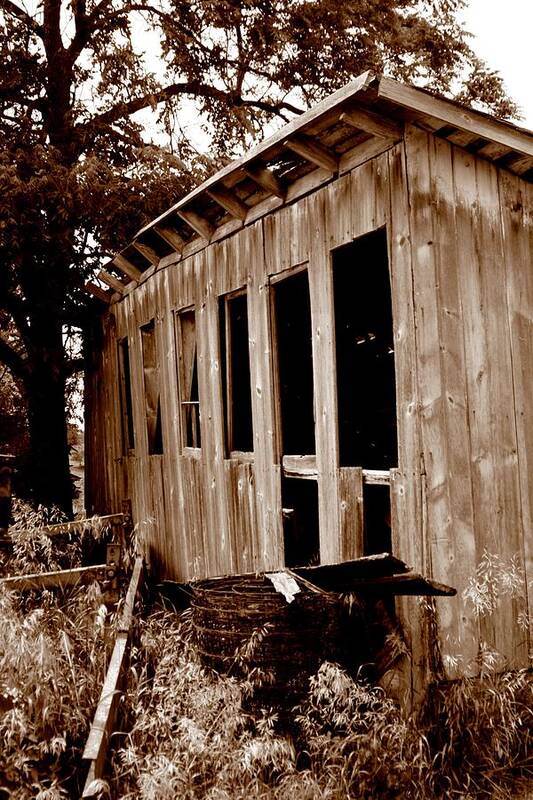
(347, 128)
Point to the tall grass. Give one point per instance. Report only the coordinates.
(53, 647)
(191, 736)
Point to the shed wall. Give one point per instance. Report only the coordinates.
(460, 237)
(214, 514)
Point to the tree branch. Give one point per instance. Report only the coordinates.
(191, 88)
(11, 8)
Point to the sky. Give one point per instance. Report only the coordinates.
(502, 30)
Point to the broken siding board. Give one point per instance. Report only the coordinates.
(453, 549)
(241, 490)
(325, 395)
(266, 456)
(517, 218)
(351, 513)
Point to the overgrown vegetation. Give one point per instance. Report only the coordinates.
(53, 648)
(191, 736)
(189, 733)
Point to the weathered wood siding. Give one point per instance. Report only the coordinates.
(472, 228)
(211, 514)
(460, 239)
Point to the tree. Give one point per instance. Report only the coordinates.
(77, 176)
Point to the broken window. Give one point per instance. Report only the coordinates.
(151, 390)
(366, 394)
(294, 357)
(188, 378)
(236, 372)
(126, 409)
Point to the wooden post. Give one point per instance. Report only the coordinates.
(6, 472)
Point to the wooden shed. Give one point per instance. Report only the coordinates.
(326, 351)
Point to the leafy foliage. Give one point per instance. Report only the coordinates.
(79, 173)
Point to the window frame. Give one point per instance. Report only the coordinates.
(190, 449)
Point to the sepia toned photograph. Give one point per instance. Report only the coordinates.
(266, 400)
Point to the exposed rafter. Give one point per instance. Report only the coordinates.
(201, 225)
(125, 266)
(372, 123)
(104, 295)
(229, 201)
(170, 236)
(111, 280)
(148, 252)
(313, 151)
(265, 178)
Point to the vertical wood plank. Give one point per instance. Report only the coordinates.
(351, 512)
(407, 499)
(505, 536)
(369, 195)
(270, 553)
(517, 217)
(494, 466)
(453, 546)
(325, 400)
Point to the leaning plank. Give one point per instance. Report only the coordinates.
(60, 578)
(408, 583)
(104, 719)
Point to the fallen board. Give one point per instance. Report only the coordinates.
(60, 578)
(371, 574)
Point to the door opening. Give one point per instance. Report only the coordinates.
(366, 388)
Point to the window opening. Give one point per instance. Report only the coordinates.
(151, 390)
(126, 406)
(294, 357)
(300, 522)
(234, 348)
(188, 379)
(366, 393)
(377, 519)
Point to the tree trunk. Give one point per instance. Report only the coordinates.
(49, 469)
